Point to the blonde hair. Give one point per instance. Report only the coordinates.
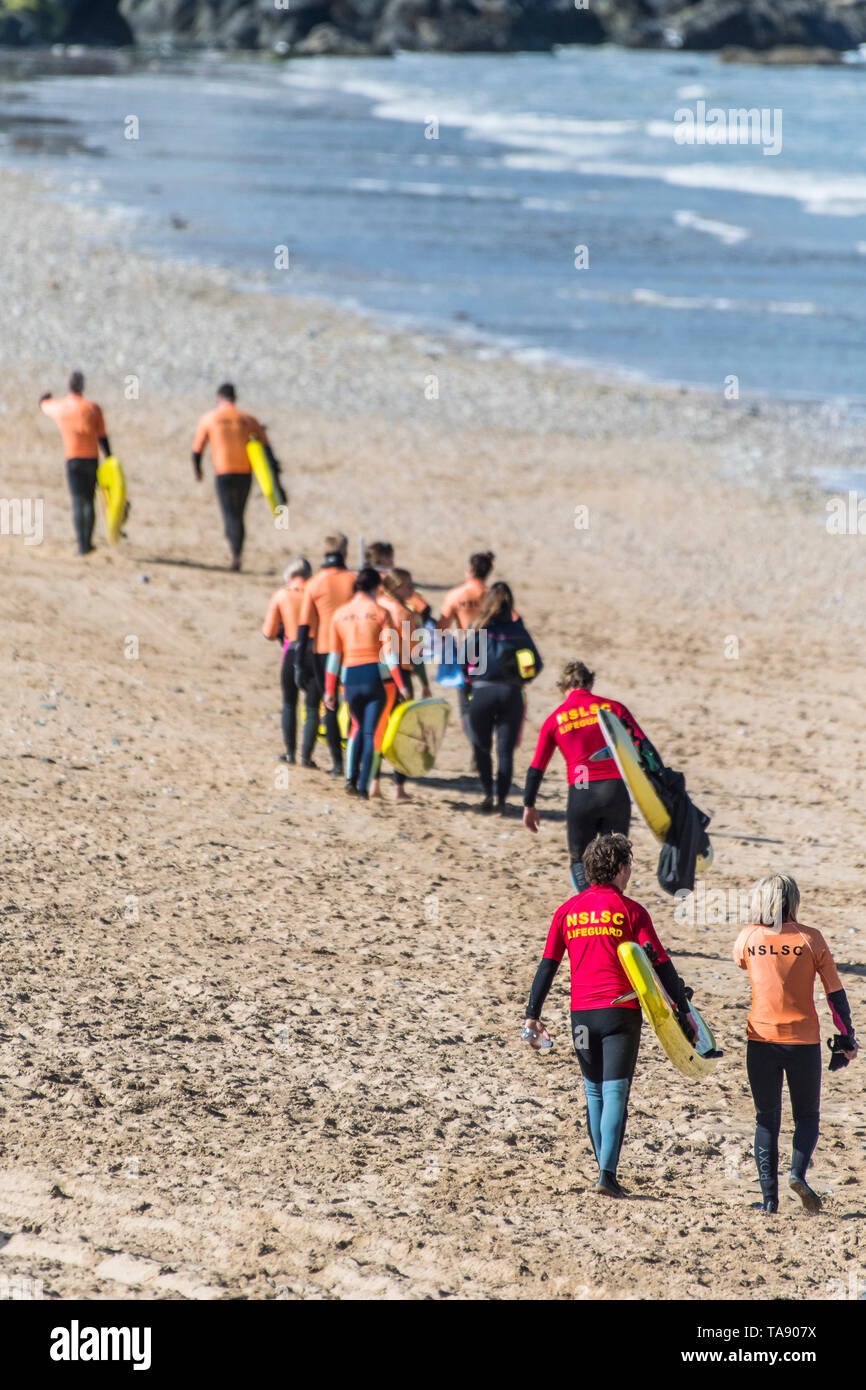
(775, 899)
(299, 567)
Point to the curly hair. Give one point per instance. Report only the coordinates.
(575, 676)
(605, 856)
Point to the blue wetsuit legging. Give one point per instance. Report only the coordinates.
(365, 696)
(606, 1042)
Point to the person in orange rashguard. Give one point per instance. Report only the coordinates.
(281, 622)
(783, 958)
(229, 430)
(362, 653)
(325, 592)
(82, 430)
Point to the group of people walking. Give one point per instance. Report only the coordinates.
(361, 634)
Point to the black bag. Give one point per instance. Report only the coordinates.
(686, 840)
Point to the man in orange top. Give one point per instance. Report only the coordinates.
(82, 430)
(323, 595)
(229, 430)
(362, 650)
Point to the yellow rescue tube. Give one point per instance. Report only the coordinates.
(265, 476)
(112, 489)
(692, 1061)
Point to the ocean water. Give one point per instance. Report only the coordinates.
(453, 191)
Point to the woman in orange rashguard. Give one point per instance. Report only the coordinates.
(361, 652)
(782, 958)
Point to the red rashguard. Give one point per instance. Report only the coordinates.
(574, 729)
(590, 926)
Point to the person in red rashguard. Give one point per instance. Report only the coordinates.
(605, 1016)
(598, 799)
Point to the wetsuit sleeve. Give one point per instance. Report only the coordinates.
(549, 964)
(841, 1011)
(332, 666)
(390, 657)
(540, 759)
(539, 661)
(305, 619)
(104, 445)
(273, 619)
(201, 437)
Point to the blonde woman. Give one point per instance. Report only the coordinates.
(782, 958)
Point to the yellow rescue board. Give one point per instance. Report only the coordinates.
(265, 476)
(414, 735)
(692, 1061)
(112, 489)
(632, 772)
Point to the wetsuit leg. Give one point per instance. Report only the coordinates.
(482, 715)
(332, 728)
(587, 1046)
(803, 1073)
(311, 716)
(290, 702)
(365, 694)
(594, 808)
(765, 1066)
(390, 701)
(81, 476)
(606, 1042)
(511, 709)
(233, 489)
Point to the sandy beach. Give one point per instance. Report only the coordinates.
(258, 1041)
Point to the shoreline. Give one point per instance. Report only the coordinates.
(832, 423)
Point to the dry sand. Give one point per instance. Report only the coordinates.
(259, 1041)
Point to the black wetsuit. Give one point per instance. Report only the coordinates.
(233, 489)
(497, 703)
(292, 687)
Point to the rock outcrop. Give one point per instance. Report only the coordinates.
(350, 27)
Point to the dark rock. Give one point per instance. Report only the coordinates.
(18, 29)
(380, 26)
(791, 55)
(327, 39)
